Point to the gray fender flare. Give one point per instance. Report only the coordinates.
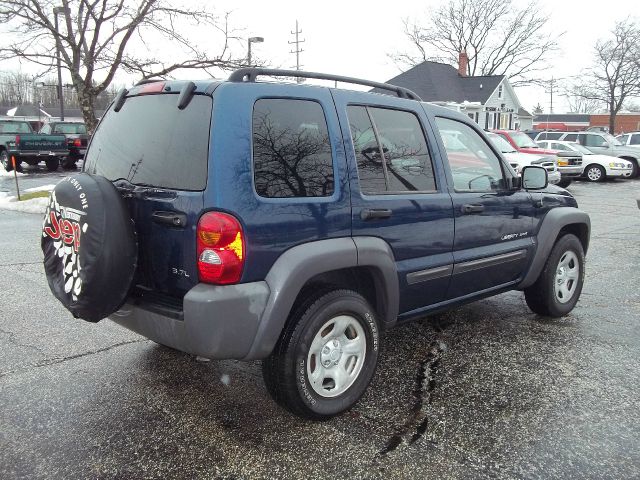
(554, 221)
(297, 265)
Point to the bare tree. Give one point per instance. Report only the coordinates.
(97, 38)
(578, 104)
(537, 110)
(499, 37)
(614, 77)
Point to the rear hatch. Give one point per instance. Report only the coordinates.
(156, 155)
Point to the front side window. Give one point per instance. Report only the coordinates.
(291, 149)
(594, 141)
(15, 127)
(391, 151)
(560, 146)
(474, 166)
(623, 139)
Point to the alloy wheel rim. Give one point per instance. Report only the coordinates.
(594, 173)
(566, 278)
(336, 356)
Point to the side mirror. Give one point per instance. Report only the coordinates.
(534, 178)
(605, 145)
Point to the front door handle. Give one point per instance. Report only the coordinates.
(375, 213)
(173, 219)
(469, 208)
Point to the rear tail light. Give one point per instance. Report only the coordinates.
(220, 248)
(17, 140)
(77, 142)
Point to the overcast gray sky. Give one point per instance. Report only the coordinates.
(353, 37)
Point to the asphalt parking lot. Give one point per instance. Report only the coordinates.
(489, 390)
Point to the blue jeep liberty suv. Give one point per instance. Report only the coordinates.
(247, 219)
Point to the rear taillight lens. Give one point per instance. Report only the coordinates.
(77, 142)
(220, 248)
(17, 140)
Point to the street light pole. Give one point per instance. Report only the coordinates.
(56, 11)
(249, 42)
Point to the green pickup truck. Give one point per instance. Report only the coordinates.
(18, 140)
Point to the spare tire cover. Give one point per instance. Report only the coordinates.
(89, 246)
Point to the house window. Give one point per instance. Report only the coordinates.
(500, 91)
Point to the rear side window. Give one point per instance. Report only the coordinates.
(291, 149)
(391, 151)
(571, 137)
(635, 139)
(152, 142)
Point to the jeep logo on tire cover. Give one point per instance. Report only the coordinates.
(65, 227)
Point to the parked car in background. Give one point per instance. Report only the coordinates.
(605, 144)
(595, 167)
(631, 139)
(18, 140)
(548, 135)
(569, 169)
(519, 160)
(77, 139)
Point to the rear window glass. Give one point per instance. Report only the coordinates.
(14, 127)
(152, 142)
(70, 128)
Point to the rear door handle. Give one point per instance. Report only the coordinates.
(173, 219)
(469, 208)
(375, 213)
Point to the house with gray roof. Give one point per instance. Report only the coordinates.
(490, 100)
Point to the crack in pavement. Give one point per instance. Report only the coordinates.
(20, 263)
(55, 361)
(415, 426)
(12, 340)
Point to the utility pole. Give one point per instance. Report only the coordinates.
(551, 86)
(297, 50)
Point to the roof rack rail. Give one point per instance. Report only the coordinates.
(250, 75)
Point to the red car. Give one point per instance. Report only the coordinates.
(523, 143)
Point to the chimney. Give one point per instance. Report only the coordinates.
(463, 63)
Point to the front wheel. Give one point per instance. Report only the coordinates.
(326, 355)
(6, 162)
(558, 288)
(595, 173)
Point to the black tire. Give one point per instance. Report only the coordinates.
(52, 164)
(564, 183)
(541, 297)
(595, 173)
(89, 245)
(5, 160)
(69, 163)
(286, 370)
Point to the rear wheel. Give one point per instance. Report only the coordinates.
(69, 163)
(52, 163)
(558, 288)
(595, 173)
(326, 355)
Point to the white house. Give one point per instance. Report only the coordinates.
(489, 100)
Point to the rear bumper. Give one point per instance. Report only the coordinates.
(218, 321)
